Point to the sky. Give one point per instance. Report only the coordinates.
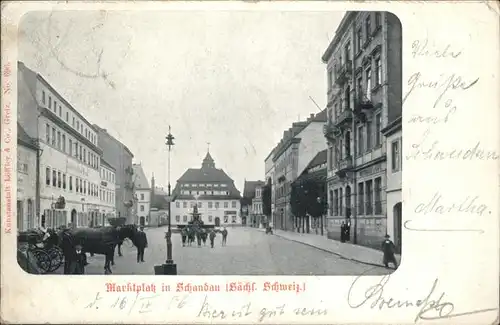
(233, 79)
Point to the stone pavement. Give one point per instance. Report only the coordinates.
(356, 253)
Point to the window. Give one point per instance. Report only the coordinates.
(73, 122)
(226, 219)
(64, 181)
(368, 72)
(84, 187)
(216, 205)
(70, 183)
(141, 208)
(361, 199)
(200, 204)
(359, 39)
(233, 219)
(184, 204)
(347, 98)
(226, 205)
(378, 72)
(177, 204)
(177, 218)
(81, 155)
(184, 218)
(54, 137)
(361, 140)
(64, 143)
(330, 79)
(347, 51)
(336, 203)
(58, 140)
(50, 102)
(77, 185)
(210, 218)
(378, 123)
(369, 197)
(78, 125)
(88, 158)
(359, 85)
(60, 111)
(395, 156)
(368, 135)
(47, 176)
(67, 116)
(233, 204)
(43, 97)
(191, 204)
(54, 178)
(378, 194)
(81, 186)
(368, 26)
(210, 205)
(378, 19)
(59, 179)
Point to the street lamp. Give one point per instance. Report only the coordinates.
(169, 268)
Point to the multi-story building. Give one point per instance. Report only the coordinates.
(393, 134)
(212, 190)
(27, 180)
(143, 196)
(364, 86)
(120, 158)
(269, 180)
(256, 212)
(296, 149)
(107, 193)
(249, 203)
(69, 156)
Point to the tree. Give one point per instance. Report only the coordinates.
(266, 199)
(304, 197)
(297, 199)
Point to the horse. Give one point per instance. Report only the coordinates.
(191, 236)
(198, 237)
(97, 241)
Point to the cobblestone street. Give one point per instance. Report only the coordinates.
(249, 251)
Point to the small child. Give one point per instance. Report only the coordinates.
(388, 248)
(79, 261)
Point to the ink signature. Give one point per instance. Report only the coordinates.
(428, 307)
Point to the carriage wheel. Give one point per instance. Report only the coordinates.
(56, 258)
(42, 259)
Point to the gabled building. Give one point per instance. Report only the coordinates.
(249, 204)
(212, 190)
(290, 157)
(142, 196)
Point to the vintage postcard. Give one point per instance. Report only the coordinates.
(250, 162)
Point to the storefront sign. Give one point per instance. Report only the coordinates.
(370, 170)
(229, 212)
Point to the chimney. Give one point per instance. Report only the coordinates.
(312, 116)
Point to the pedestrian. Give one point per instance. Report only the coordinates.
(183, 236)
(78, 261)
(389, 248)
(342, 232)
(141, 241)
(224, 236)
(68, 247)
(204, 236)
(212, 238)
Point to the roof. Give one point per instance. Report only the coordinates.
(159, 199)
(104, 131)
(206, 174)
(344, 23)
(141, 181)
(318, 176)
(249, 188)
(105, 163)
(24, 139)
(319, 159)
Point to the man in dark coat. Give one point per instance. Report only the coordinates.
(141, 242)
(224, 236)
(342, 232)
(78, 261)
(389, 248)
(184, 236)
(212, 237)
(67, 245)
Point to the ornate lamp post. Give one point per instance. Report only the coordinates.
(169, 268)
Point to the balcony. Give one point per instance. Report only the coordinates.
(344, 119)
(344, 166)
(129, 170)
(343, 73)
(363, 103)
(330, 131)
(129, 185)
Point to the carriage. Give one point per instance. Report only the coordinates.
(44, 253)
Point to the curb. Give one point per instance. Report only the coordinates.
(329, 251)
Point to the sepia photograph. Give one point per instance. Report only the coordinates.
(209, 142)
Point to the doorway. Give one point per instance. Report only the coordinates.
(217, 221)
(142, 221)
(20, 216)
(73, 218)
(398, 226)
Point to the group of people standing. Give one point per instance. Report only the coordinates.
(189, 233)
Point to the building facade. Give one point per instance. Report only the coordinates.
(69, 156)
(364, 88)
(212, 190)
(393, 134)
(256, 212)
(107, 193)
(247, 210)
(270, 180)
(142, 195)
(296, 149)
(120, 158)
(27, 180)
